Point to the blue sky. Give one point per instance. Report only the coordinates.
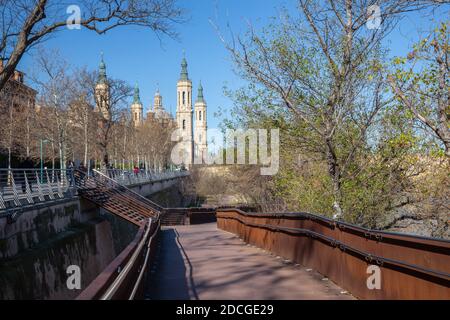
(136, 54)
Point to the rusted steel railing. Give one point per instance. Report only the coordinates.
(124, 277)
(411, 267)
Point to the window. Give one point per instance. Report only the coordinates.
(200, 115)
(184, 124)
(184, 98)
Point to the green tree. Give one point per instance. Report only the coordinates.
(421, 82)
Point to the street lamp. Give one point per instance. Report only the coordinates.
(42, 162)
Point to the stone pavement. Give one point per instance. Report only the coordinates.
(203, 262)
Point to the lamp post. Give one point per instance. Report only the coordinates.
(42, 161)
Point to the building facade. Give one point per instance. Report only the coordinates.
(158, 113)
(17, 93)
(192, 130)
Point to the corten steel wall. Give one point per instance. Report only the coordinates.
(411, 267)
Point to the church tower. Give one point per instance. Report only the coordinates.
(201, 147)
(102, 92)
(157, 102)
(185, 113)
(137, 110)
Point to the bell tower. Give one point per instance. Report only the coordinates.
(102, 92)
(137, 110)
(185, 113)
(201, 147)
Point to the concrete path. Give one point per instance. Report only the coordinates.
(202, 262)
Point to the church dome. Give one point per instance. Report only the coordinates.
(162, 114)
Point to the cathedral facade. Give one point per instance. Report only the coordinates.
(190, 120)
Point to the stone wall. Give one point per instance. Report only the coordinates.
(37, 248)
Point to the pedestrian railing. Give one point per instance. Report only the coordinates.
(124, 277)
(21, 187)
(402, 266)
(29, 187)
(128, 178)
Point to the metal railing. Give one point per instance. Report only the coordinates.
(21, 187)
(25, 187)
(98, 178)
(127, 178)
(411, 267)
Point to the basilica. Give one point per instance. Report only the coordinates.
(191, 122)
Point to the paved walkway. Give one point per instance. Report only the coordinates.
(202, 262)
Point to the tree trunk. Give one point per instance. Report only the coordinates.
(335, 175)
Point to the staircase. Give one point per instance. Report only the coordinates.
(117, 199)
(172, 217)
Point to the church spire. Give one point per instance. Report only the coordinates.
(102, 71)
(136, 98)
(200, 93)
(184, 72)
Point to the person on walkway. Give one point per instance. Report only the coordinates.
(69, 172)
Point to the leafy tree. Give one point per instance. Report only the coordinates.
(421, 82)
(321, 78)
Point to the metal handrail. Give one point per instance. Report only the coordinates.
(144, 265)
(21, 187)
(31, 186)
(125, 177)
(137, 196)
(119, 280)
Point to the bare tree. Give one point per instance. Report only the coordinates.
(56, 95)
(9, 121)
(24, 23)
(82, 126)
(155, 144)
(110, 104)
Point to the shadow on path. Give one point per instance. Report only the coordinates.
(224, 267)
(171, 273)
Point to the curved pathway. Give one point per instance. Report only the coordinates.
(202, 262)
